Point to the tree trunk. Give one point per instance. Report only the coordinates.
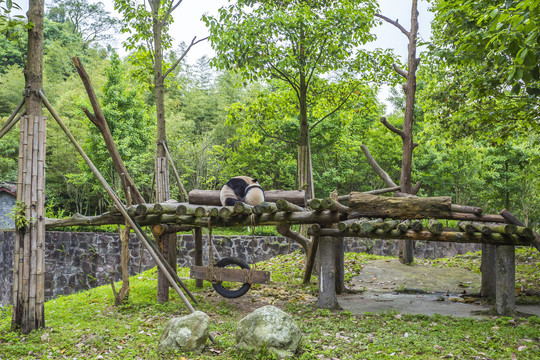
(406, 247)
(29, 247)
(166, 242)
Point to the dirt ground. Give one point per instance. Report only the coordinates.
(387, 285)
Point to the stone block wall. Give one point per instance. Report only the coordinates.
(80, 261)
(7, 202)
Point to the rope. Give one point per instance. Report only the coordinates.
(213, 274)
(252, 220)
(248, 276)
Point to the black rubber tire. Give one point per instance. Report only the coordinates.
(232, 294)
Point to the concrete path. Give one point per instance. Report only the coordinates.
(389, 286)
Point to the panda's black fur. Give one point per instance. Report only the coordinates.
(241, 188)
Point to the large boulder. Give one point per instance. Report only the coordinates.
(268, 327)
(187, 333)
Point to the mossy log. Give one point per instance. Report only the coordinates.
(400, 207)
(284, 205)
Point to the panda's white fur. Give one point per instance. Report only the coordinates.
(254, 195)
(241, 188)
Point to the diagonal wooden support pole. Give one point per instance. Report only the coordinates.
(12, 116)
(136, 228)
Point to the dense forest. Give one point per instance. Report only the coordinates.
(476, 121)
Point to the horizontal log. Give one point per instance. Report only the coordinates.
(304, 217)
(241, 208)
(162, 229)
(512, 219)
(333, 205)
(284, 205)
(265, 208)
(400, 207)
(219, 274)
(467, 209)
(445, 236)
(372, 192)
(467, 226)
(435, 227)
(472, 217)
(211, 197)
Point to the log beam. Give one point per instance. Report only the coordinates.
(211, 197)
(445, 236)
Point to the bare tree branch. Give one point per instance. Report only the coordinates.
(395, 23)
(169, 11)
(416, 187)
(400, 71)
(382, 174)
(392, 128)
(333, 111)
(267, 134)
(193, 42)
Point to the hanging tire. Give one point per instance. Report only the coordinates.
(230, 293)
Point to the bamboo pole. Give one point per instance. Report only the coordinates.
(136, 228)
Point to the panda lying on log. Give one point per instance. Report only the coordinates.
(241, 188)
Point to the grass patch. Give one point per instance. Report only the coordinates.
(87, 325)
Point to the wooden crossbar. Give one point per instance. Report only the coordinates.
(218, 274)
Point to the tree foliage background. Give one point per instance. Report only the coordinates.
(477, 119)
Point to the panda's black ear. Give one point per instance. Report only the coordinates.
(255, 180)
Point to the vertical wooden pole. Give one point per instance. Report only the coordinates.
(327, 274)
(28, 270)
(489, 282)
(506, 279)
(311, 259)
(339, 265)
(198, 253)
(162, 195)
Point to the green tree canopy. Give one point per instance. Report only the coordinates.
(298, 42)
(486, 55)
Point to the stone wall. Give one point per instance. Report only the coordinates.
(7, 202)
(79, 261)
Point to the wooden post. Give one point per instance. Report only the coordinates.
(198, 252)
(505, 270)
(327, 274)
(29, 253)
(489, 283)
(339, 265)
(162, 195)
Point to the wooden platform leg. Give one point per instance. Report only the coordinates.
(327, 275)
(489, 282)
(198, 253)
(339, 265)
(505, 276)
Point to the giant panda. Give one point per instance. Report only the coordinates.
(241, 188)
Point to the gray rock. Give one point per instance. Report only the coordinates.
(187, 333)
(268, 327)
